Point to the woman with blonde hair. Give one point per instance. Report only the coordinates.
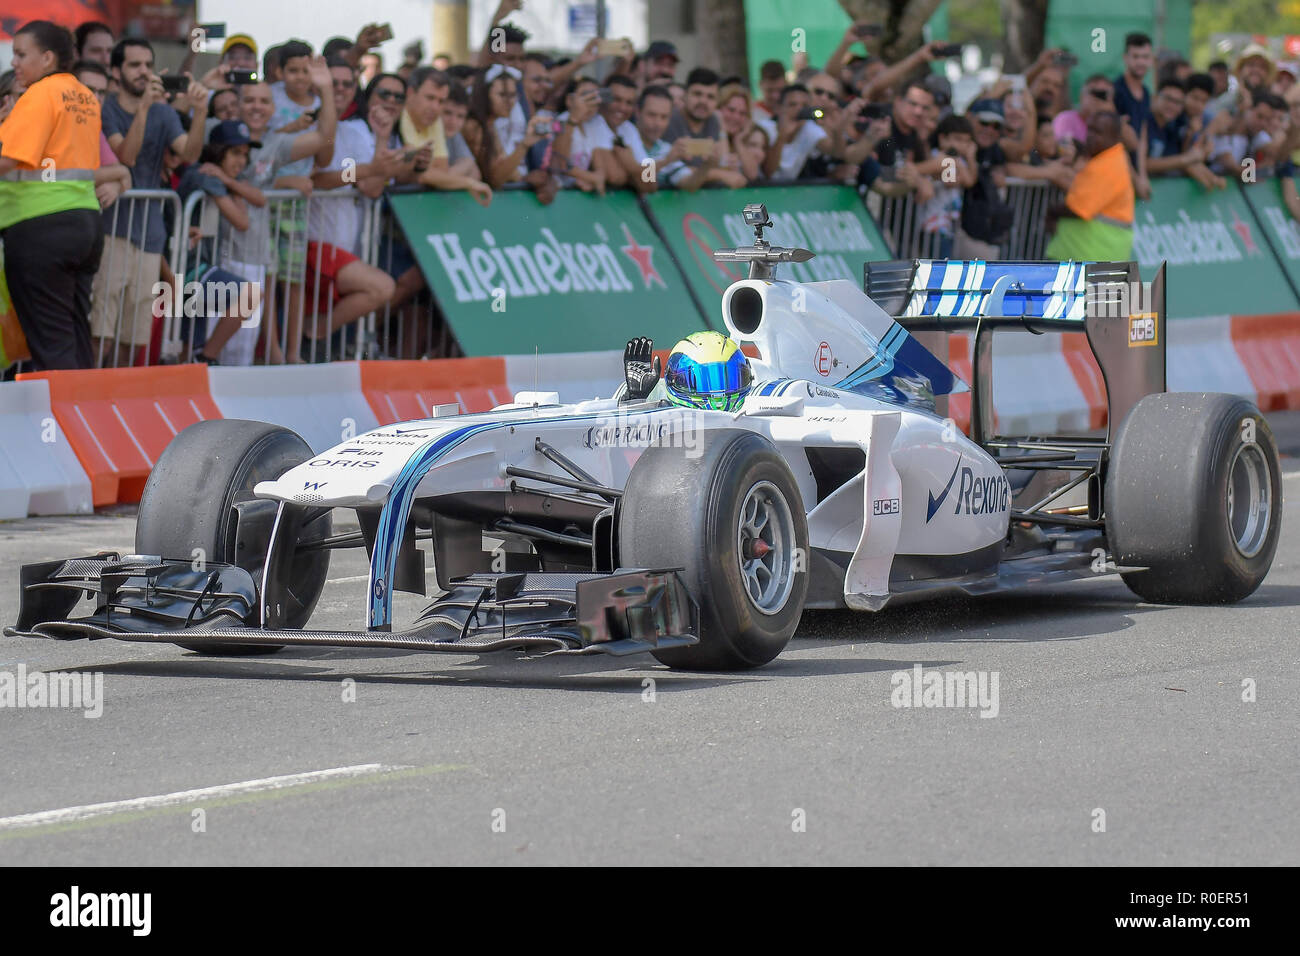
(735, 109)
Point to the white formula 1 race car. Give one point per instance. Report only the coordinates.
(701, 534)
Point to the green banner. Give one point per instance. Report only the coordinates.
(583, 273)
(1280, 226)
(829, 220)
(1219, 262)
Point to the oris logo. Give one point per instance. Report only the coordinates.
(340, 463)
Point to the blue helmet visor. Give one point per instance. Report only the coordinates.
(684, 374)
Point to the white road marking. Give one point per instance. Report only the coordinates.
(92, 810)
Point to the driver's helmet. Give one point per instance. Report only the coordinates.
(708, 370)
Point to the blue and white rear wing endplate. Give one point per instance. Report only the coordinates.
(972, 288)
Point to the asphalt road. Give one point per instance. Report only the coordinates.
(1108, 712)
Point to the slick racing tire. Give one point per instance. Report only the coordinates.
(187, 501)
(1194, 496)
(731, 516)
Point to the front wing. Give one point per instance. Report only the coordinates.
(154, 599)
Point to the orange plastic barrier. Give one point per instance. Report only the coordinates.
(1269, 349)
(118, 421)
(403, 390)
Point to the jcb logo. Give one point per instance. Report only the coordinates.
(1141, 329)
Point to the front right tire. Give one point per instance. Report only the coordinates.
(731, 516)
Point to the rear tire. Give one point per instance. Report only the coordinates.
(733, 519)
(186, 506)
(1194, 495)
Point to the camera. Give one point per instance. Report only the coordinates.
(810, 113)
(241, 77)
(175, 84)
(755, 214)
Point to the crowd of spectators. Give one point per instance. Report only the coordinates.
(288, 117)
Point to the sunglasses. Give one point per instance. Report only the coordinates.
(1101, 94)
(391, 96)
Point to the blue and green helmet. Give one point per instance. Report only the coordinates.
(708, 370)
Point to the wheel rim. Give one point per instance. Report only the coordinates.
(765, 544)
(1249, 500)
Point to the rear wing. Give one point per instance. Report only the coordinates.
(1123, 317)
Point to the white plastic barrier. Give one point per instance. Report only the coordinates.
(1034, 391)
(322, 403)
(1201, 357)
(39, 473)
(577, 376)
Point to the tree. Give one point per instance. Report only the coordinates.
(1026, 23)
(902, 21)
(721, 29)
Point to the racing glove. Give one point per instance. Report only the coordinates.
(641, 368)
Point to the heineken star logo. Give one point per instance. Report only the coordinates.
(641, 255)
(1243, 230)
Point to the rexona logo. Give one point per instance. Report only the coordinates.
(544, 265)
(976, 495)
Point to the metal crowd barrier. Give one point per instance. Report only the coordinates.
(123, 286)
(294, 298)
(901, 225)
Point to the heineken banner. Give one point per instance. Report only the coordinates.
(584, 273)
(1219, 262)
(1280, 227)
(829, 220)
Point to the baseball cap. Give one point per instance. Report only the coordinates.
(661, 48)
(235, 39)
(987, 110)
(939, 87)
(232, 133)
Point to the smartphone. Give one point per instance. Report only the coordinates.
(1065, 58)
(212, 31)
(606, 95)
(175, 84)
(699, 148)
(868, 30)
(386, 31)
(607, 47)
(947, 49)
(241, 77)
(875, 111)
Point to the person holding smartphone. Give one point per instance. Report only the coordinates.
(140, 126)
(52, 232)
